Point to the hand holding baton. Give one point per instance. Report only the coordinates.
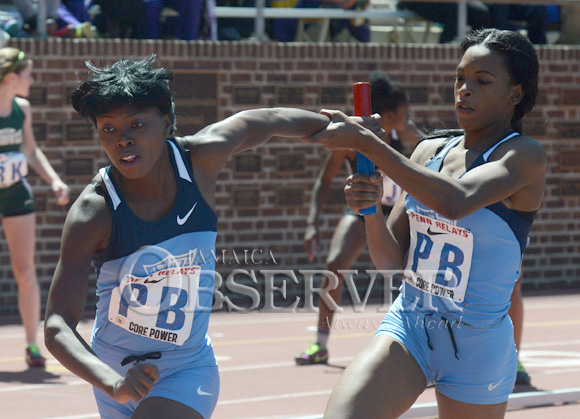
(362, 107)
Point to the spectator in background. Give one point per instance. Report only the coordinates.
(10, 23)
(234, 29)
(507, 16)
(285, 29)
(185, 26)
(27, 9)
(208, 28)
(67, 18)
(119, 19)
(358, 28)
(184, 21)
(73, 20)
(446, 15)
(149, 25)
(569, 27)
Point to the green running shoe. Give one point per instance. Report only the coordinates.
(522, 377)
(315, 354)
(33, 357)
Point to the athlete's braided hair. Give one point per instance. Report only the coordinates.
(520, 59)
(125, 83)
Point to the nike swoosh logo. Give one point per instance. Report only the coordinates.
(153, 281)
(492, 386)
(434, 233)
(203, 393)
(182, 221)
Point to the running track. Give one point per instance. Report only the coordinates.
(259, 379)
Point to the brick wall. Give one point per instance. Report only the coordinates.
(263, 195)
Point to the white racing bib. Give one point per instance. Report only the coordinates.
(159, 306)
(439, 258)
(13, 167)
(391, 192)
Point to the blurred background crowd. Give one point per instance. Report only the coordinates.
(197, 19)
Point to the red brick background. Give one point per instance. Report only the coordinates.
(266, 208)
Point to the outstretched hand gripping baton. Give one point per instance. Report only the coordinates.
(362, 107)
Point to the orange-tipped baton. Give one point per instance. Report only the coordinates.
(362, 107)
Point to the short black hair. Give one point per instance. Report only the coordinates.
(386, 95)
(125, 83)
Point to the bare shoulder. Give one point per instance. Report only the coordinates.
(523, 150)
(91, 205)
(90, 216)
(207, 139)
(426, 149)
(202, 145)
(531, 147)
(210, 148)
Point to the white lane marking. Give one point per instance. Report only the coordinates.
(37, 386)
(275, 397)
(532, 358)
(274, 365)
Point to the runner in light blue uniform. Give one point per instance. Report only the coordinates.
(448, 271)
(148, 223)
(458, 236)
(168, 267)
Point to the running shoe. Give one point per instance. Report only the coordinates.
(33, 357)
(522, 377)
(315, 354)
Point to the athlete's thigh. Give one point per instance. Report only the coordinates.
(453, 409)
(382, 382)
(20, 232)
(160, 407)
(348, 241)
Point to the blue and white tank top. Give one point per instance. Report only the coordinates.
(464, 268)
(156, 279)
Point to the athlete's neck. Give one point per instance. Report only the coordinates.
(482, 140)
(5, 103)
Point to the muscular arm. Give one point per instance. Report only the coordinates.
(515, 176)
(213, 145)
(87, 229)
(388, 242)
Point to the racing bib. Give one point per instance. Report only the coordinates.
(391, 192)
(439, 257)
(13, 167)
(159, 306)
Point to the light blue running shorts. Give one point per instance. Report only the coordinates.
(470, 364)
